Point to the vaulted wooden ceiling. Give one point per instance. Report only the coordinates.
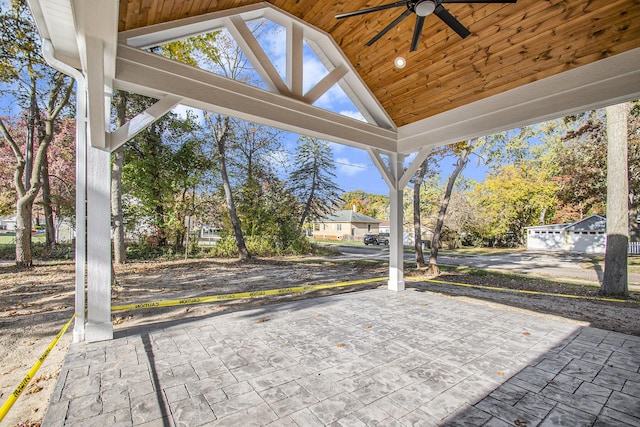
(510, 44)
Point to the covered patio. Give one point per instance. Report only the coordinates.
(384, 356)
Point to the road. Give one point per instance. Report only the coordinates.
(557, 265)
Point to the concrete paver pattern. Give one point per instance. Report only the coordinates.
(359, 359)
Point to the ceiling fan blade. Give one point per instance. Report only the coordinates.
(417, 30)
(372, 9)
(388, 27)
(479, 1)
(451, 21)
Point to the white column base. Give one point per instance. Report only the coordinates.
(98, 332)
(394, 285)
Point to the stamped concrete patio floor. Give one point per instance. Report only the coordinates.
(367, 358)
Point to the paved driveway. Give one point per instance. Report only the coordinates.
(557, 265)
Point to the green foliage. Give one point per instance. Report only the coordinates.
(313, 179)
(39, 250)
(513, 198)
(373, 205)
(163, 168)
(262, 246)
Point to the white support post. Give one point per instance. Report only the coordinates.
(81, 210)
(396, 250)
(99, 326)
(396, 178)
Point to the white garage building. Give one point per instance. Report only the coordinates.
(587, 235)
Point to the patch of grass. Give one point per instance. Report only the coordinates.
(336, 242)
(324, 250)
(10, 239)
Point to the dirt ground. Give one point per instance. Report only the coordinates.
(35, 305)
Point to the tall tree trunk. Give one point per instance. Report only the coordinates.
(437, 232)
(615, 280)
(117, 215)
(50, 231)
(417, 228)
(312, 193)
(228, 195)
(24, 218)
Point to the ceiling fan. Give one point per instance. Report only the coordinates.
(422, 9)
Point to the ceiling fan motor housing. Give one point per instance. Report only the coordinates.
(423, 8)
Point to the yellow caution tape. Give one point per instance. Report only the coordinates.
(240, 295)
(523, 291)
(32, 372)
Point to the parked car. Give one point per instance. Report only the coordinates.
(383, 238)
(376, 239)
(370, 239)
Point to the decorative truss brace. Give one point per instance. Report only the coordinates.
(298, 32)
(397, 180)
(140, 122)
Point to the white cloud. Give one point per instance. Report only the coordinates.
(182, 110)
(349, 168)
(354, 114)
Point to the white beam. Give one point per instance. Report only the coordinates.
(155, 76)
(96, 92)
(256, 55)
(413, 167)
(325, 84)
(140, 122)
(295, 56)
(382, 167)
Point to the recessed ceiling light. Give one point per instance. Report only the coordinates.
(400, 62)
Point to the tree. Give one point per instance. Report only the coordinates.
(417, 228)
(373, 205)
(24, 72)
(462, 151)
(27, 191)
(313, 179)
(220, 131)
(117, 214)
(615, 280)
(253, 162)
(576, 154)
(514, 197)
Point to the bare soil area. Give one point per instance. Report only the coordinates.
(35, 304)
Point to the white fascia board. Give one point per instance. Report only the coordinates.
(153, 75)
(605, 82)
(54, 21)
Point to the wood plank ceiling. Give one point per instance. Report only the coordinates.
(510, 45)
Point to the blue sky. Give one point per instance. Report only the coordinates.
(354, 168)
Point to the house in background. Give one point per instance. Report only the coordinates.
(588, 235)
(8, 223)
(345, 225)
